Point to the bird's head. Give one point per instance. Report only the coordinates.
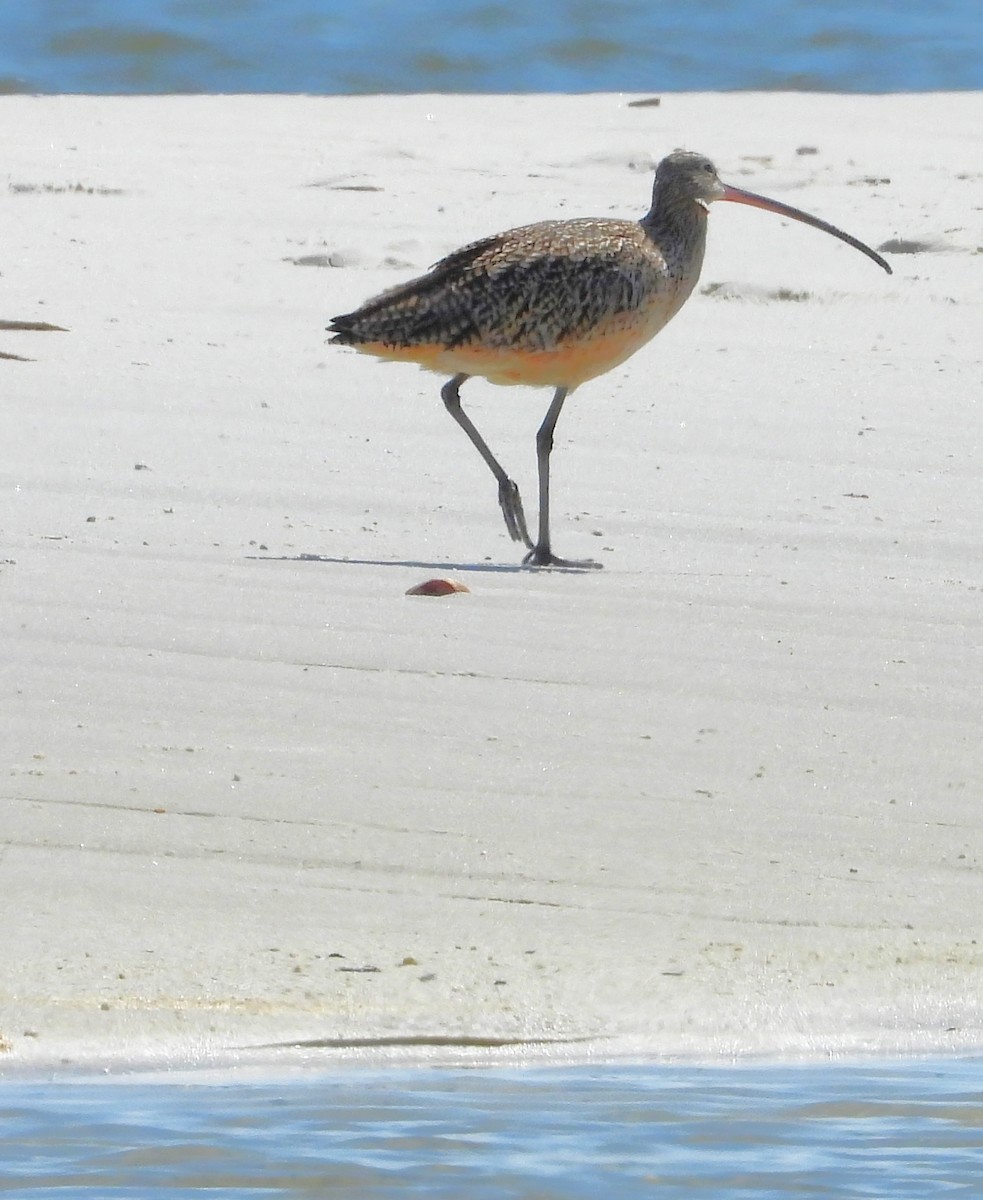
(684, 179)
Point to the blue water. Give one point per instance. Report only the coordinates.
(885, 1131)
(336, 46)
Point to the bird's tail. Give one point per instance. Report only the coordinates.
(343, 329)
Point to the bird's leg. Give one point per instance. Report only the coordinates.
(541, 555)
(508, 491)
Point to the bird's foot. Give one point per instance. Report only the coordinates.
(515, 518)
(542, 556)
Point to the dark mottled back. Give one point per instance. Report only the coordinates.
(531, 288)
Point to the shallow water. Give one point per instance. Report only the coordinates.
(331, 47)
(890, 1131)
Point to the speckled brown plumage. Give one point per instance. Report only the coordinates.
(530, 289)
(553, 304)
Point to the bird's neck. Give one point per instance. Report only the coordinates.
(681, 218)
(679, 230)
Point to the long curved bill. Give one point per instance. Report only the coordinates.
(739, 196)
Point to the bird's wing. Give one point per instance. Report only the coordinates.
(530, 288)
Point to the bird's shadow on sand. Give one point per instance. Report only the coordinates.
(420, 565)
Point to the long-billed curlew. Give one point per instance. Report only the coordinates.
(553, 305)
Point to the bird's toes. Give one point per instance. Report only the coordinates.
(515, 518)
(540, 556)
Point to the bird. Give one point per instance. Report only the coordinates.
(555, 304)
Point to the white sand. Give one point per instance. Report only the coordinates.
(722, 798)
